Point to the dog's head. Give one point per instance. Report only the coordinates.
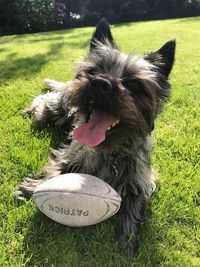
(119, 95)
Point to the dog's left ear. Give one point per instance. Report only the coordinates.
(102, 34)
(164, 57)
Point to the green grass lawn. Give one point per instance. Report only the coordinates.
(170, 238)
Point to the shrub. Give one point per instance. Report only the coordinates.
(40, 15)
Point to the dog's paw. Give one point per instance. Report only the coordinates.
(29, 112)
(26, 189)
(132, 247)
(130, 244)
(54, 85)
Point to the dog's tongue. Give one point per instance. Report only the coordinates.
(94, 132)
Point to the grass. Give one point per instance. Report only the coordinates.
(170, 238)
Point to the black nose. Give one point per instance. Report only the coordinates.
(101, 84)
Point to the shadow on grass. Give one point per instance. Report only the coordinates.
(44, 39)
(77, 44)
(57, 136)
(69, 34)
(11, 56)
(3, 49)
(44, 36)
(13, 68)
(47, 243)
(51, 244)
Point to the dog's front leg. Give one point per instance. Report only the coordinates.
(58, 164)
(129, 219)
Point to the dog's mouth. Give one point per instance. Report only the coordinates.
(95, 130)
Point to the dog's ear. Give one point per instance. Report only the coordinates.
(102, 34)
(164, 57)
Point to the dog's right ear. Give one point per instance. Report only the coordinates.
(102, 34)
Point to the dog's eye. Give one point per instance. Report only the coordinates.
(132, 85)
(136, 88)
(89, 74)
(92, 72)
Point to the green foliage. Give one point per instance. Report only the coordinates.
(21, 16)
(40, 15)
(171, 237)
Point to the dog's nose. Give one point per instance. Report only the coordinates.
(101, 84)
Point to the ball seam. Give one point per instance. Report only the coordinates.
(78, 193)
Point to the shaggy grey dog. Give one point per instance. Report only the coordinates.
(108, 110)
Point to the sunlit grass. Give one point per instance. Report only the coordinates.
(170, 238)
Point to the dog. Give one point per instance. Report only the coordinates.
(108, 112)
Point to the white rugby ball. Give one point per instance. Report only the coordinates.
(76, 199)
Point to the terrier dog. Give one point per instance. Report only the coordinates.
(109, 110)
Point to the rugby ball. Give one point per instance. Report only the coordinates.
(76, 199)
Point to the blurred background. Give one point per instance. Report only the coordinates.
(25, 16)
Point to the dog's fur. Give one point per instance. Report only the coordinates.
(131, 88)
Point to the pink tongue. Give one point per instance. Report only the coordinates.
(94, 132)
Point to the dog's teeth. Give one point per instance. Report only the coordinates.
(115, 123)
